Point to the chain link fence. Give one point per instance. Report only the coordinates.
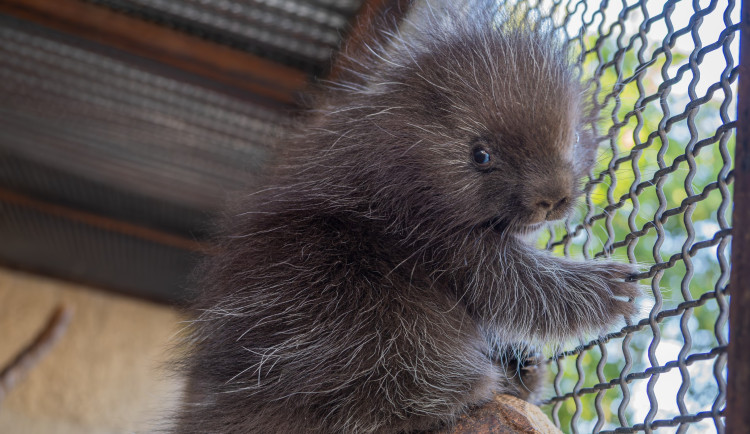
(664, 79)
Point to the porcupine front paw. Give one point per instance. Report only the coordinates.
(618, 290)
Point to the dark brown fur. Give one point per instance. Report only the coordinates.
(382, 282)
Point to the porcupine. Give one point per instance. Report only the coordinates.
(383, 279)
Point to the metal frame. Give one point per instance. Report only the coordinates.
(738, 399)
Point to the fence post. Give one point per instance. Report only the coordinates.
(738, 387)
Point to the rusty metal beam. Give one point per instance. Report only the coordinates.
(738, 398)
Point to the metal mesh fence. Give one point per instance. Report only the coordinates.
(664, 79)
(107, 158)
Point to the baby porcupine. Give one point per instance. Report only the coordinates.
(382, 280)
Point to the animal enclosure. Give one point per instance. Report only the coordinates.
(112, 156)
(664, 77)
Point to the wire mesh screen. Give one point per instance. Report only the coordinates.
(302, 34)
(664, 79)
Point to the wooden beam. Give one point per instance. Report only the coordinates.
(105, 223)
(217, 62)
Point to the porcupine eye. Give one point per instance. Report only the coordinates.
(481, 157)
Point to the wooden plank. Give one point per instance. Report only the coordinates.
(738, 384)
(217, 62)
(105, 223)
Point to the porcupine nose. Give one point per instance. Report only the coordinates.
(550, 199)
(551, 206)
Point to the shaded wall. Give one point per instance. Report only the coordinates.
(105, 375)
